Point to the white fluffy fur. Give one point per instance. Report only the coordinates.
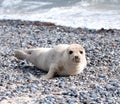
(61, 60)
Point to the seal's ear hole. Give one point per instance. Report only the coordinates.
(81, 52)
(70, 52)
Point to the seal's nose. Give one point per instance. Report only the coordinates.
(76, 57)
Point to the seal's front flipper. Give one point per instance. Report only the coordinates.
(51, 73)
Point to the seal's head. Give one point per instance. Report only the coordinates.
(76, 53)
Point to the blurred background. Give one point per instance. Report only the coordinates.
(93, 14)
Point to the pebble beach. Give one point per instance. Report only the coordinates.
(20, 81)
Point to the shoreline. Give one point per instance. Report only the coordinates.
(40, 23)
(20, 81)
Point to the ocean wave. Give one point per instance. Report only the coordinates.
(78, 13)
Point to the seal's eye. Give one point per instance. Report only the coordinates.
(70, 52)
(81, 52)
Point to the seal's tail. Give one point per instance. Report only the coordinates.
(21, 54)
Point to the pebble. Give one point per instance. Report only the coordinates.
(110, 87)
(63, 85)
(71, 101)
(98, 84)
(8, 94)
(72, 93)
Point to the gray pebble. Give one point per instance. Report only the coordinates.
(110, 87)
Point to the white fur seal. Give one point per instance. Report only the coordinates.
(61, 60)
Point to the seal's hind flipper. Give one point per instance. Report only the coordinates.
(21, 54)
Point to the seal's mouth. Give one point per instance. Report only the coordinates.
(76, 60)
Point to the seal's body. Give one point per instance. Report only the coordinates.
(61, 60)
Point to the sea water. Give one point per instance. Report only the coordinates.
(93, 14)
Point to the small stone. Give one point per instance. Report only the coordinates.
(62, 85)
(71, 93)
(116, 84)
(82, 95)
(102, 75)
(110, 87)
(9, 94)
(93, 95)
(49, 41)
(1, 84)
(71, 101)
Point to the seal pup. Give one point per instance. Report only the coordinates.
(62, 60)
